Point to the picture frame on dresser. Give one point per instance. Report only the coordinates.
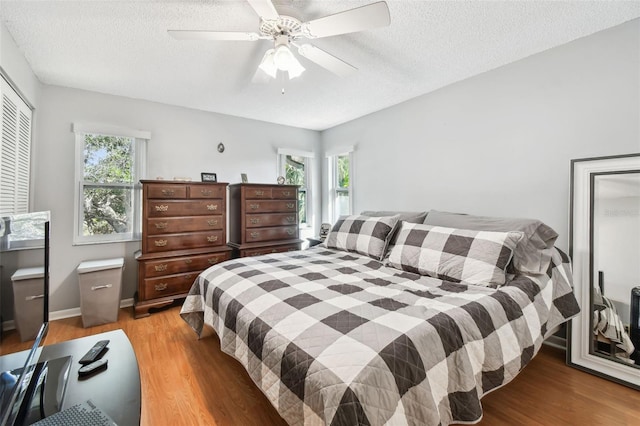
(208, 177)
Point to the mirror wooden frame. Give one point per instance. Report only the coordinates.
(579, 331)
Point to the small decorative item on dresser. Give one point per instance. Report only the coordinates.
(244, 177)
(208, 177)
(280, 180)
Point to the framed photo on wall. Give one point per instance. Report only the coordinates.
(208, 177)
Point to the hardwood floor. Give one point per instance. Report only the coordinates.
(186, 381)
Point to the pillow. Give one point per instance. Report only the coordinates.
(362, 234)
(458, 255)
(413, 217)
(532, 254)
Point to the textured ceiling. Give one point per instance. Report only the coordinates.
(122, 48)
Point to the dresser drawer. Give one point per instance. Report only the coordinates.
(260, 206)
(169, 190)
(275, 219)
(184, 208)
(177, 265)
(257, 192)
(207, 191)
(169, 285)
(270, 234)
(269, 250)
(173, 225)
(284, 193)
(160, 243)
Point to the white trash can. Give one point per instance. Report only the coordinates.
(28, 301)
(100, 289)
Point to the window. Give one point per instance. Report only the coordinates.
(15, 152)
(340, 183)
(109, 166)
(295, 166)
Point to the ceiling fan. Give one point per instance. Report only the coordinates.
(286, 31)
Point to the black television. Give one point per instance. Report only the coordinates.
(31, 388)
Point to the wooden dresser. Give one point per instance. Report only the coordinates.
(183, 233)
(263, 218)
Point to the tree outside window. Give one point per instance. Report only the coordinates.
(108, 185)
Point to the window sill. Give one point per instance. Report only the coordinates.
(88, 243)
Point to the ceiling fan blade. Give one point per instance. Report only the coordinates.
(213, 35)
(326, 60)
(265, 9)
(362, 18)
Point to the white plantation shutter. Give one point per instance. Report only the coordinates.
(15, 152)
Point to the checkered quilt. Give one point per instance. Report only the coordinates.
(337, 338)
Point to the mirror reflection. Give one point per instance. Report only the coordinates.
(615, 269)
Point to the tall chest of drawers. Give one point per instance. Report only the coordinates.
(263, 218)
(183, 233)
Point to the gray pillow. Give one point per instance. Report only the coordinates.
(411, 217)
(532, 253)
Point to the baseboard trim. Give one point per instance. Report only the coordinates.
(65, 313)
(556, 342)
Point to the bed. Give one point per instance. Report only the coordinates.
(355, 332)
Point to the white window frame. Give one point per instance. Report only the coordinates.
(332, 169)
(308, 160)
(15, 150)
(140, 164)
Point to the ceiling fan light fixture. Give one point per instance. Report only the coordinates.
(283, 58)
(295, 69)
(268, 64)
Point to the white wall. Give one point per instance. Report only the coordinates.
(183, 144)
(500, 143)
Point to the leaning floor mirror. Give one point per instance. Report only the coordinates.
(605, 249)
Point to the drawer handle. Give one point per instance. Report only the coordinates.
(254, 220)
(291, 205)
(259, 193)
(256, 253)
(291, 219)
(212, 207)
(29, 298)
(254, 206)
(168, 191)
(254, 234)
(162, 267)
(206, 191)
(188, 261)
(212, 222)
(212, 261)
(161, 286)
(291, 231)
(188, 277)
(160, 243)
(161, 225)
(212, 238)
(162, 208)
(98, 287)
(286, 193)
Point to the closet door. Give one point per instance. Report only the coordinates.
(15, 152)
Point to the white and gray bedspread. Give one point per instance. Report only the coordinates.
(337, 338)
